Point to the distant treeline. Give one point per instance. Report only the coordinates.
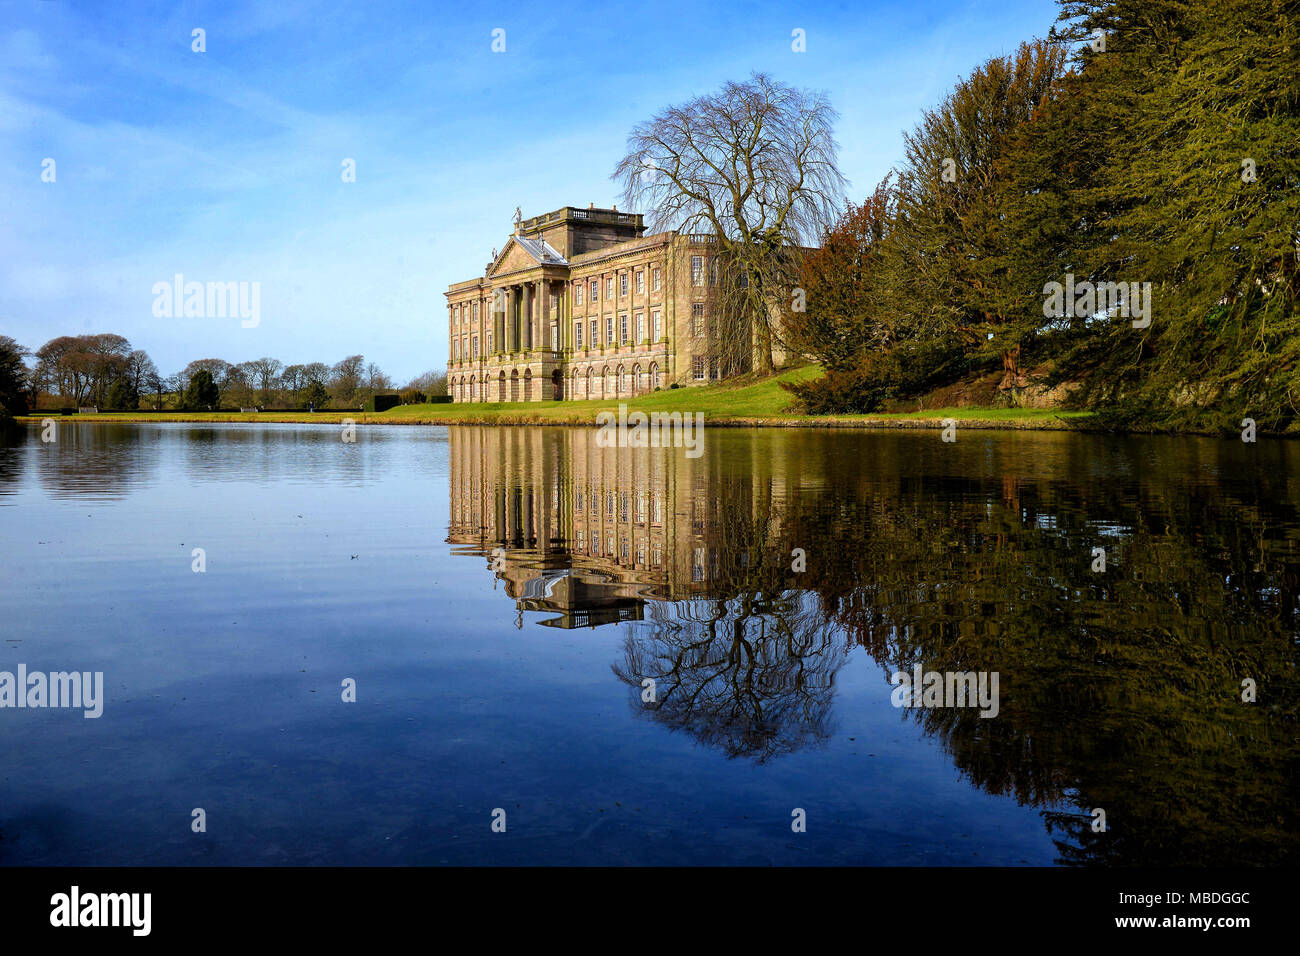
(1114, 210)
(105, 371)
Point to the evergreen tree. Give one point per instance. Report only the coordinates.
(202, 394)
(122, 396)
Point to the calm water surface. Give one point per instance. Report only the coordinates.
(500, 595)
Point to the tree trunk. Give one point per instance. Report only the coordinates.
(764, 335)
(1013, 376)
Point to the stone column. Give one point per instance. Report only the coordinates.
(512, 305)
(540, 314)
(562, 318)
(526, 317)
(499, 321)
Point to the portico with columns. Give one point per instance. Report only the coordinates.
(579, 304)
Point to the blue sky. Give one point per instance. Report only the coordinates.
(225, 165)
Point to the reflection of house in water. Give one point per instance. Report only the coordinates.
(580, 598)
(588, 533)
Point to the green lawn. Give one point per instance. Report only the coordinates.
(746, 401)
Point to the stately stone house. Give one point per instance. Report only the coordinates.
(580, 303)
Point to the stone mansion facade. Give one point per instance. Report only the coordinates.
(582, 304)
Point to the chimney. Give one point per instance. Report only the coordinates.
(591, 205)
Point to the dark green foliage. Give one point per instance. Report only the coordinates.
(382, 402)
(1168, 155)
(13, 378)
(201, 394)
(122, 396)
(910, 368)
(315, 395)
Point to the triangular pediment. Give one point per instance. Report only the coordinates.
(512, 259)
(520, 254)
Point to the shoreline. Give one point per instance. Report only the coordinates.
(1050, 420)
(910, 420)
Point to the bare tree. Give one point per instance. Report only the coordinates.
(346, 379)
(141, 371)
(266, 369)
(292, 380)
(81, 367)
(217, 368)
(376, 380)
(754, 167)
(431, 383)
(239, 383)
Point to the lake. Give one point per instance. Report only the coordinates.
(634, 656)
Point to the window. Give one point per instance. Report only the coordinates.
(473, 344)
(609, 330)
(595, 289)
(713, 272)
(622, 329)
(455, 351)
(622, 284)
(489, 341)
(697, 270)
(697, 318)
(640, 283)
(609, 287)
(577, 334)
(713, 368)
(640, 326)
(656, 280)
(577, 294)
(698, 368)
(657, 322)
(595, 337)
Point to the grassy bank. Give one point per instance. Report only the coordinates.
(760, 402)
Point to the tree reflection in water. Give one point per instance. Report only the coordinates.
(752, 678)
(1120, 690)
